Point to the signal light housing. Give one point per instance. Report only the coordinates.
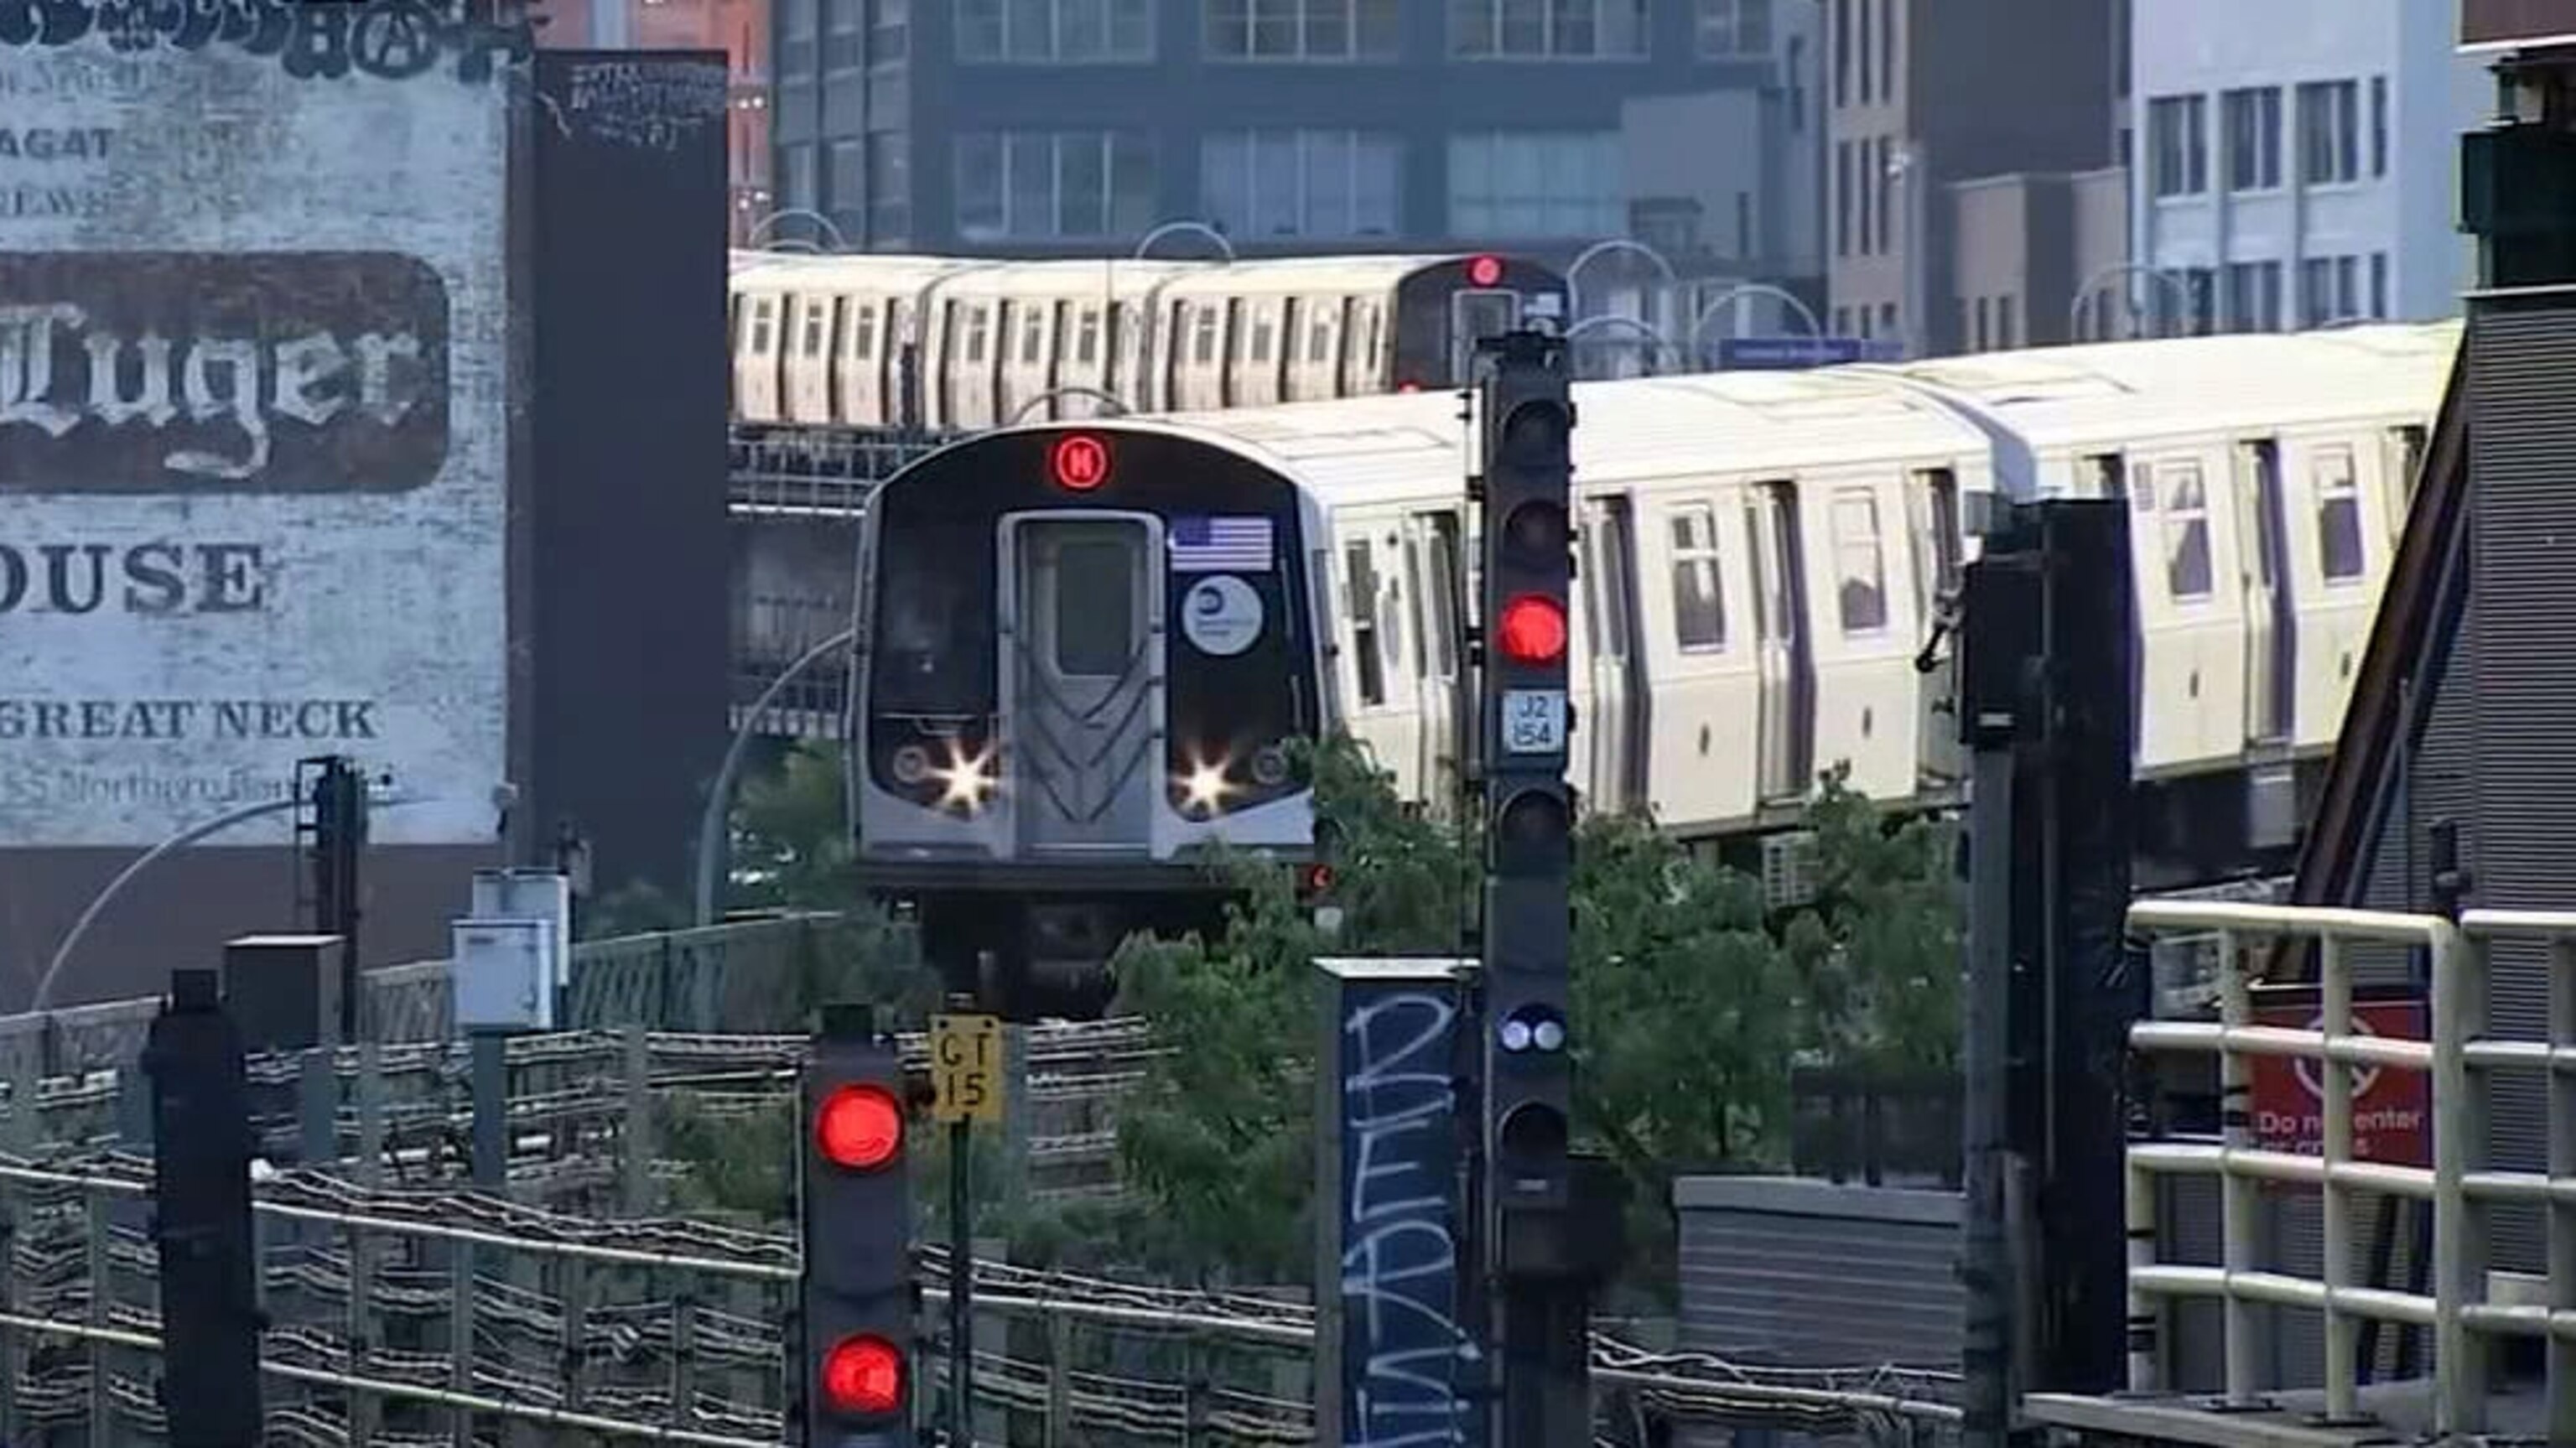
(863, 1377)
(859, 1127)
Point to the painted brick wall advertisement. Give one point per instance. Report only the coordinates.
(2391, 1109)
(254, 407)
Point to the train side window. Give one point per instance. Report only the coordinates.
(815, 314)
(2186, 530)
(1033, 336)
(1319, 336)
(2339, 547)
(1861, 561)
(763, 312)
(862, 330)
(2410, 452)
(1262, 333)
(1203, 336)
(1360, 582)
(1086, 336)
(979, 322)
(1699, 609)
(1442, 591)
(1095, 608)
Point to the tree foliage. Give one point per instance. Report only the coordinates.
(1691, 1003)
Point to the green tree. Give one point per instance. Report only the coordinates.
(791, 836)
(1691, 1009)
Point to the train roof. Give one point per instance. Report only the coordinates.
(1403, 445)
(2125, 392)
(1355, 272)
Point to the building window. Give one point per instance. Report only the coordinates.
(2254, 296)
(2329, 133)
(844, 27)
(1842, 53)
(1883, 180)
(1048, 32)
(1734, 27)
(1868, 77)
(796, 183)
(1304, 29)
(2379, 285)
(889, 186)
(1980, 330)
(1842, 198)
(1264, 184)
(2007, 324)
(1699, 609)
(796, 29)
(2177, 129)
(1054, 184)
(1887, 50)
(1547, 29)
(846, 168)
(2379, 125)
(889, 30)
(1859, 561)
(1523, 185)
(1796, 80)
(2253, 139)
(2339, 546)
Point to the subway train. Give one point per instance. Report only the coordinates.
(1089, 645)
(821, 341)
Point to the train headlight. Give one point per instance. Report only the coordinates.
(966, 782)
(1270, 766)
(911, 765)
(1204, 788)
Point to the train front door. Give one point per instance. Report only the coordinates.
(1082, 680)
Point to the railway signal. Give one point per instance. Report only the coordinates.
(202, 1219)
(854, 1207)
(1541, 1268)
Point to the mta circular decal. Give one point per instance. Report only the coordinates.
(1221, 615)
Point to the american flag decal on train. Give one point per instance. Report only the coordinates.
(1220, 545)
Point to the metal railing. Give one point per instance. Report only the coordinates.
(2460, 1186)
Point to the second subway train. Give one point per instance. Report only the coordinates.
(1089, 644)
(948, 344)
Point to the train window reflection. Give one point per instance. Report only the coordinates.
(2186, 514)
(1095, 607)
(934, 637)
(2339, 546)
(1861, 563)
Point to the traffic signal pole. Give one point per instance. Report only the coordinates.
(1542, 1270)
(209, 1260)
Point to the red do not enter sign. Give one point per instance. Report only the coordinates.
(2392, 1110)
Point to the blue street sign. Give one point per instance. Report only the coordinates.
(1791, 353)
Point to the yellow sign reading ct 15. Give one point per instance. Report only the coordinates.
(966, 1067)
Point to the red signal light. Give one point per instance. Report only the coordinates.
(863, 1376)
(1532, 629)
(859, 1127)
(1484, 271)
(1079, 461)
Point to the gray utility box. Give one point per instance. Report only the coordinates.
(531, 895)
(503, 972)
(283, 991)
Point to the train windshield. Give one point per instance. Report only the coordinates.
(934, 636)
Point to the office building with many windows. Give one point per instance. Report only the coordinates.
(1075, 127)
(1927, 96)
(2301, 171)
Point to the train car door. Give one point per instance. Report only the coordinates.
(1082, 680)
(1431, 569)
(1932, 509)
(1615, 722)
(2271, 614)
(1785, 730)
